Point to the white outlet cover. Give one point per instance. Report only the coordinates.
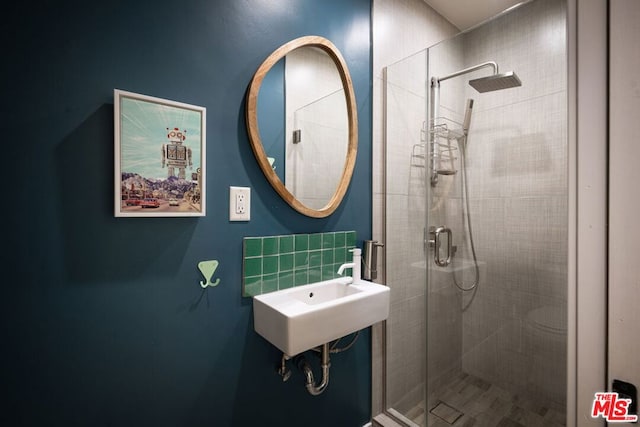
(239, 203)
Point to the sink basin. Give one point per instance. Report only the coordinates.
(300, 318)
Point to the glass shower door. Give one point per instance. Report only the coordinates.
(405, 207)
(476, 227)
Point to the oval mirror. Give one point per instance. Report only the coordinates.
(302, 124)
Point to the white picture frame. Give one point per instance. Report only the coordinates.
(160, 153)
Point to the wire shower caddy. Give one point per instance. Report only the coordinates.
(439, 142)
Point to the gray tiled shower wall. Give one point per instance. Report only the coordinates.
(272, 263)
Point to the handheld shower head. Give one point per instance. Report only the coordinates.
(466, 123)
(467, 117)
(496, 82)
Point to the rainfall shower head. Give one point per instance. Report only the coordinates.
(496, 82)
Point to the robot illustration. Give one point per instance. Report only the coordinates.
(175, 155)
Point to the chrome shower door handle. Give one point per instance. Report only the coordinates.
(436, 253)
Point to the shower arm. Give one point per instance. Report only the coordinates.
(492, 64)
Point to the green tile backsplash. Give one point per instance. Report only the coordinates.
(271, 263)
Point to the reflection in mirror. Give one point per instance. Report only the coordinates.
(271, 117)
(317, 132)
(302, 124)
(302, 114)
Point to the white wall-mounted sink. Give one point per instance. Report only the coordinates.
(300, 318)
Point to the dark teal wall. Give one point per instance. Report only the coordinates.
(103, 319)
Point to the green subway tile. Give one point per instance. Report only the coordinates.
(301, 242)
(327, 257)
(315, 241)
(301, 260)
(327, 240)
(286, 244)
(301, 277)
(252, 286)
(315, 258)
(285, 280)
(252, 280)
(252, 246)
(252, 289)
(286, 262)
(269, 283)
(278, 262)
(270, 246)
(351, 239)
(328, 272)
(270, 264)
(252, 267)
(315, 274)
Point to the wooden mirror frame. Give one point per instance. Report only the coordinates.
(254, 131)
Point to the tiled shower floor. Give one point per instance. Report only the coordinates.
(469, 401)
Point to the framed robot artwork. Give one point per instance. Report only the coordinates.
(159, 157)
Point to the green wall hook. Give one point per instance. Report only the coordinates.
(207, 268)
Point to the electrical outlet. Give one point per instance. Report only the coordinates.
(239, 203)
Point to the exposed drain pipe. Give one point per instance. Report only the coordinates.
(283, 371)
(308, 373)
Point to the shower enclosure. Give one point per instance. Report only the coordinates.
(476, 225)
